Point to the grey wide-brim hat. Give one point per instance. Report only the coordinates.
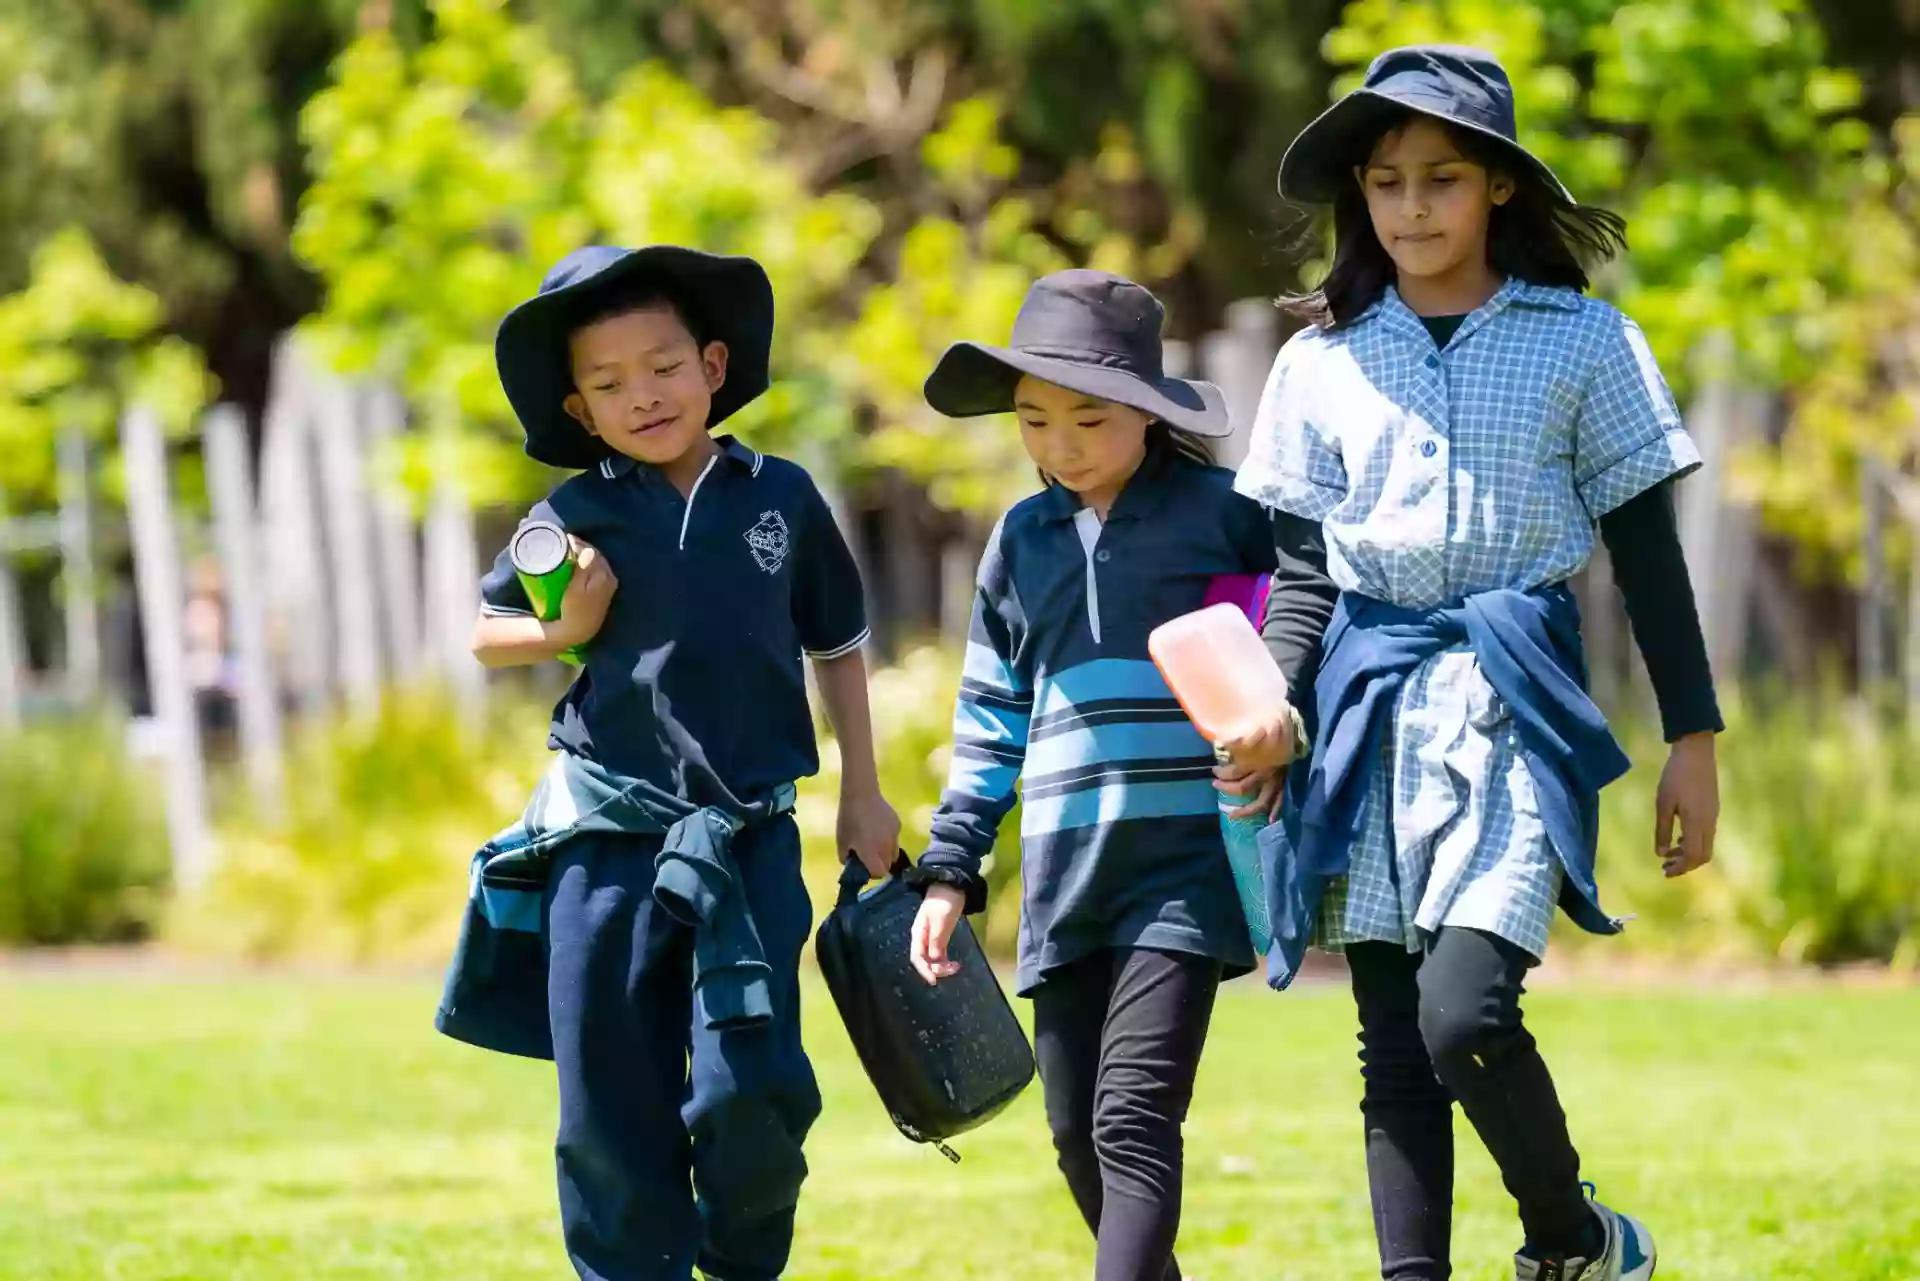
(1089, 332)
(1459, 85)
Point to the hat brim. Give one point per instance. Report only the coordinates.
(973, 379)
(734, 300)
(1319, 162)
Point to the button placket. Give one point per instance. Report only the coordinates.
(1431, 448)
(1440, 426)
(1435, 389)
(1092, 532)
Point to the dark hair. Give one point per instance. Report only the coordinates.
(640, 293)
(1537, 236)
(1189, 446)
(1161, 435)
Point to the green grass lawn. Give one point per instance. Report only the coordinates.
(165, 1129)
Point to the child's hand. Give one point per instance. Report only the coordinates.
(869, 830)
(1268, 747)
(1689, 791)
(940, 914)
(583, 610)
(1262, 785)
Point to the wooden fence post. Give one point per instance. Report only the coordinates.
(452, 587)
(1875, 606)
(395, 541)
(1902, 493)
(959, 571)
(354, 594)
(1238, 359)
(237, 532)
(1176, 358)
(12, 645)
(292, 535)
(79, 590)
(156, 563)
(1718, 533)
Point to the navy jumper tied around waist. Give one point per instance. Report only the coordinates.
(496, 994)
(1527, 644)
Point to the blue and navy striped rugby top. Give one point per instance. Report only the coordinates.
(1120, 829)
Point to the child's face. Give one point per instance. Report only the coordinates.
(643, 385)
(1429, 203)
(1091, 446)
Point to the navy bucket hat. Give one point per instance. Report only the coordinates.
(731, 301)
(1462, 86)
(1089, 332)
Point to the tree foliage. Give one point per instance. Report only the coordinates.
(77, 346)
(166, 132)
(446, 178)
(905, 167)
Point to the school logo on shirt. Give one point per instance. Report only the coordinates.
(767, 540)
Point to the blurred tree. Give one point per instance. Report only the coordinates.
(1211, 89)
(166, 130)
(999, 141)
(76, 347)
(1198, 98)
(1860, 407)
(444, 178)
(983, 141)
(1880, 39)
(447, 179)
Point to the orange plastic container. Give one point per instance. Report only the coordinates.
(1227, 683)
(1219, 669)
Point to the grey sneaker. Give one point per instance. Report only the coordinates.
(1627, 1256)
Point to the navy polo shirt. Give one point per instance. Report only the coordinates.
(720, 595)
(1120, 842)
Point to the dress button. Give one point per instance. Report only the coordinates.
(1103, 556)
(1433, 362)
(1428, 449)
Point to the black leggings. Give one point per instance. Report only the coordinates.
(1441, 1026)
(1118, 1036)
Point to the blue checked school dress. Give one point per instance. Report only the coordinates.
(1439, 473)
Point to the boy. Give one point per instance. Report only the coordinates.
(658, 860)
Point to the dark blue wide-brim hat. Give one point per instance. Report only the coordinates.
(732, 301)
(1459, 85)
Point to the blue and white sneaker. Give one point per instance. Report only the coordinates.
(1627, 1255)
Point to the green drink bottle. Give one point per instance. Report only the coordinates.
(542, 557)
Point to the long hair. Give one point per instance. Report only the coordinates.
(1537, 236)
(1193, 448)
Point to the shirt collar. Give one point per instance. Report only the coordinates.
(1392, 311)
(741, 457)
(1144, 491)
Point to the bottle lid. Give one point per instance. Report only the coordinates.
(539, 547)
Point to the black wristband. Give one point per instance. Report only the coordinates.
(920, 877)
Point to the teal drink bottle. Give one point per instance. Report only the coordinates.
(1242, 839)
(542, 557)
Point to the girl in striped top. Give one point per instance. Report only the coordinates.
(1130, 919)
